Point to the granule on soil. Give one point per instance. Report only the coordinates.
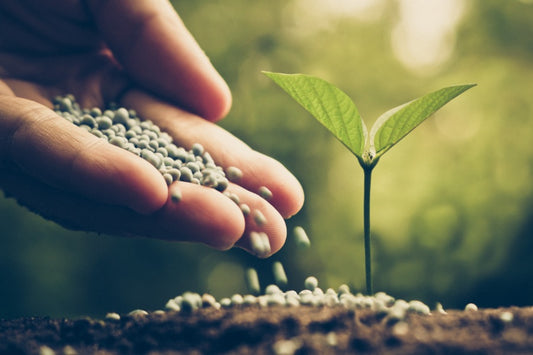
(276, 330)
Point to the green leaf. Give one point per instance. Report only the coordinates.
(329, 105)
(396, 123)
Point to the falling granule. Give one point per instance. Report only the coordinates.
(265, 193)
(175, 194)
(280, 276)
(252, 280)
(301, 238)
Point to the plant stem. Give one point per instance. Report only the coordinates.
(366, 224)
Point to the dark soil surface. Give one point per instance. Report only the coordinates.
(276, 330)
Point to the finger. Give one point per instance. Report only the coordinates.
(47, 147)
(157, 50)
(258, 169)
(203, 215)
(273, 224)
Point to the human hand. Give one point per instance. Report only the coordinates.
(68, 175)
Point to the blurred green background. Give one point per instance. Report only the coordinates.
(451, 205)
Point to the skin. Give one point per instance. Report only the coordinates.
(147, 60)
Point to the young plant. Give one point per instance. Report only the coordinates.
(337, 112)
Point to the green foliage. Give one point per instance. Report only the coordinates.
(396, 123)
(337, 112)
(329, 105)
(334, 109)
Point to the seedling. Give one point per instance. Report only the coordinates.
(337, 112)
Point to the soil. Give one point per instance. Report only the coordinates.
(276, 330)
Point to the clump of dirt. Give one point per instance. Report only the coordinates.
(276, 330)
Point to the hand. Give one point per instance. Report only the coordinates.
(96, 50)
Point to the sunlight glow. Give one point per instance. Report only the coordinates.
(309, 16)
(424, 36)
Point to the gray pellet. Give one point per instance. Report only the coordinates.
(95, 112)
(88, 120)
(280, 276)
(163, 152)
(175, 173)
(259, 218)
(265, 193)
(258, 244)
(167, 161)
(119, 141)
(234, 174)
(252, 280)
(168, 178)
(311, 283)
(154, 145)
(175, 194)
(186, 174)
(130, 134)
(301, 238)
(197, 149)
(104, 122)
(245, 209)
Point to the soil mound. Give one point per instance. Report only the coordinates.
(276, 330)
